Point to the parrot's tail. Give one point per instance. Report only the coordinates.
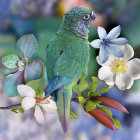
(63, 105)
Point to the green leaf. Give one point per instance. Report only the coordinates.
(117, 123)
(17, 110)
(38, 86)
(103, 90)
(105, 109)
(81, 100)
(21, 110)
(79, 88)
(14, 110)
(73, 115)
(85, 94)
(90, 106)
(97, 102)
(10, 61)
(21, 98)
(93, 87)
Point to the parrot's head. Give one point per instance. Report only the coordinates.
(78, 20)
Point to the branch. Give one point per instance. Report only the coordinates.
(18, 105)
(75, 100)
(11, 107)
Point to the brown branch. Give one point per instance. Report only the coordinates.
(11, 107)
(18, 105)
(75, 100)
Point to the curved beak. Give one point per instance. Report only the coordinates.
(93, 16)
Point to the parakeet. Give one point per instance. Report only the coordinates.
(68, 55)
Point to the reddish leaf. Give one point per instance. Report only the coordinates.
(10, 83)
(27, 46)
(111, 103)
(103, 118)
(32, 70)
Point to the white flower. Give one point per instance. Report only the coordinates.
(120, 71)
(43, 106)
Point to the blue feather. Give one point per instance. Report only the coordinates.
(55, 96)
(57, 83)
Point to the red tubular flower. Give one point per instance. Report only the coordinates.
(102, 117)
(111, 103)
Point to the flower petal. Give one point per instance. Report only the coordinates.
(114, 33)
(111, 103)
(96, 43)
(98, 61)
(106, 74)
(116, 51)
(128, 51)
(28, 103)
(10, 61)
(101, 32)
(5, 70)
(102, 117)
(103, 55)
(134, 68)
(119, 41)
(33, 70)
(124, 81)
(25, 90)
(108, 62)
(27, 45)
(10, 83)
(50, 108)
(46, 101)
(39, 115)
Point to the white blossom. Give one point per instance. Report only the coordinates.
(43, 106)
(120, 71)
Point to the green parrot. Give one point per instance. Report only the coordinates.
(68, 56)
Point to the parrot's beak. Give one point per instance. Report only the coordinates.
(93, 16)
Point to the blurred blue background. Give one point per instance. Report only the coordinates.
(43, 18)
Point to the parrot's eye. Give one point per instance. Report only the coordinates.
(87, 16)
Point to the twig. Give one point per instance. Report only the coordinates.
(11, 107)
(18, 105)
(75, 100)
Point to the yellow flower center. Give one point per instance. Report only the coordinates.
(119, 66)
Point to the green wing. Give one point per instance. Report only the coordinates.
(73, 60)
(54, 49)
(67, 56)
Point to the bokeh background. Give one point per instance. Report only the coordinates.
(43, 18)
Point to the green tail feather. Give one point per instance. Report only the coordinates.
(63, 105)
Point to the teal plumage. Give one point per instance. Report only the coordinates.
(67, 58)
(69, 54)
